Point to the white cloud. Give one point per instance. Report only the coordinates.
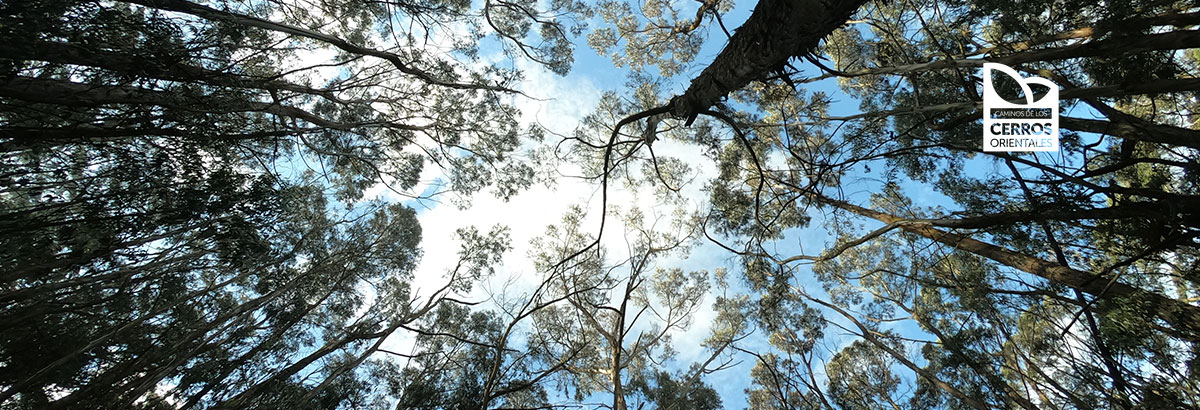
(557, 104)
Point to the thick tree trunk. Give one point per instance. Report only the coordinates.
(617, 387)
(1135, 130)
(776, 31)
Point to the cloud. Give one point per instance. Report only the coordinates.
(558, 103)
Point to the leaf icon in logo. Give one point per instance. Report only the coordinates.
(991, 98)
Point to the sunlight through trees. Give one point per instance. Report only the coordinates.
(778, 205)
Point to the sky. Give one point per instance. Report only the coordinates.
(558, 103)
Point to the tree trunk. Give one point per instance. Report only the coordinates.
(1182, 316)
(73, 94)
(401, 64)
(67, 53)
(618, 387)
(776, 31)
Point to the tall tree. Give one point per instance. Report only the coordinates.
(1063, 281)
(184, 210)
(614, 327)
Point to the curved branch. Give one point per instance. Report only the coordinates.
(186, 7)
(612, 141)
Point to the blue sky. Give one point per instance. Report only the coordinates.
(564, 101)
(558, 104)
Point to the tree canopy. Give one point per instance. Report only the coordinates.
(191, 212)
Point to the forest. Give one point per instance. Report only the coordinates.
(595, 204)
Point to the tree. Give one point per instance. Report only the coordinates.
(614, 328)
(1051, 281)
(188, 218)
(183, 203)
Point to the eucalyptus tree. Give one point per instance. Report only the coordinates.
(1074, 261)
(613, 327)
(186, 212)
(1014, 280)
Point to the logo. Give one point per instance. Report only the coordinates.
(1013, 127)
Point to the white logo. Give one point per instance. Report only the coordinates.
(1010, 127)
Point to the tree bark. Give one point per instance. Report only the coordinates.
(776, 31)
(1140, 131)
